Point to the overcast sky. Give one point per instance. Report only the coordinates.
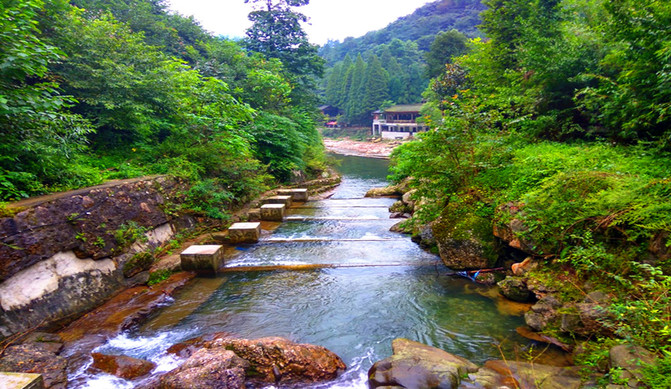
(329, 19)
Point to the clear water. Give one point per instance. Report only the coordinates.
(390, 289)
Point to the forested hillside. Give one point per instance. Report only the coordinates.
(98, 89)
(554, 135)
(389, 66)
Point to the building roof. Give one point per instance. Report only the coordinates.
(404, 108)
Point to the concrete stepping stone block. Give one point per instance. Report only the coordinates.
(21, 381)
(273, 212)
(244, 232)
(203, 259)
(300, 194)
(286, 200)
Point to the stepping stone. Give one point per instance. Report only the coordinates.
(21, 381)
(203, 259)
(273, 212)
(244, 232)
(286, 200)
(296, 194)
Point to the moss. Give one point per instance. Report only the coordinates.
(159, 276)
(138, 263)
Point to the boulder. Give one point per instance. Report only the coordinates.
(425, 237)
(387, 191)
(464, 239)
(279, 360)
(407, 199)
(515, 288)
(543, 313)
(521, 268)
(36, 358)
(416, 365)
(122, 366)
(270, 360)
(630, 359)
(215, 368)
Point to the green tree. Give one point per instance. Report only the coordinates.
(276, 32)
(376, 86)
(38, 136)
(445, 46)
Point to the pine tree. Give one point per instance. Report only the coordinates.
(376, 86)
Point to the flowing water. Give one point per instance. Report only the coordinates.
(370, 287)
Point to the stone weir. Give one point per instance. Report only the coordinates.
(64, 254)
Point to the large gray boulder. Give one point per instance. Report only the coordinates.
(416, 365)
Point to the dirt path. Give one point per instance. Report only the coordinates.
(381, 149)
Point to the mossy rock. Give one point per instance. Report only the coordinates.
(138, 263)
(464, 238)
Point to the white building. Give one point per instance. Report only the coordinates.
(398, 122)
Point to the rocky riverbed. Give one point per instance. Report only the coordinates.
(376, 149)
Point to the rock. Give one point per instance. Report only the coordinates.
(416, 365)
(36, 358)
(586, 318)
(462, 254)
(425, 237)
(523, 375)
(464, 241)
(522, 268)
(125, 309)
(407, 199)
(511, 232)
(279, 360)
(271, 360)
(387, 191)
(399, 215)
(122, 366)
(398, 227)
(515, 288)
(207, 368)
(543, 313)
(630, 359)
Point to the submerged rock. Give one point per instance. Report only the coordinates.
(515, 288)
(524, 375)
(416, 365)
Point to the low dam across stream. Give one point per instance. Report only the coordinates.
(331, 274)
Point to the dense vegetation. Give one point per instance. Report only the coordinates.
(393, 65)
(98, 89)
(561, 120)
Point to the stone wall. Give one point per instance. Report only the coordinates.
(63, 254)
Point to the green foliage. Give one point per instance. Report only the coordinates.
(159, 276)
(129, 233)
(209, 198)
(38, 136)
(658, 375)
(162, 95)
(444, 47)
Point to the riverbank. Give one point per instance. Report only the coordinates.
(346, 146)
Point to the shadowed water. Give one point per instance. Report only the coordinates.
(354, 311)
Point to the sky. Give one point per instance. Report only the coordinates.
(329, 19)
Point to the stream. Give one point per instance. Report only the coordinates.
(374, 286)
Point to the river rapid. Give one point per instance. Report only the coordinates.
(371, 287)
